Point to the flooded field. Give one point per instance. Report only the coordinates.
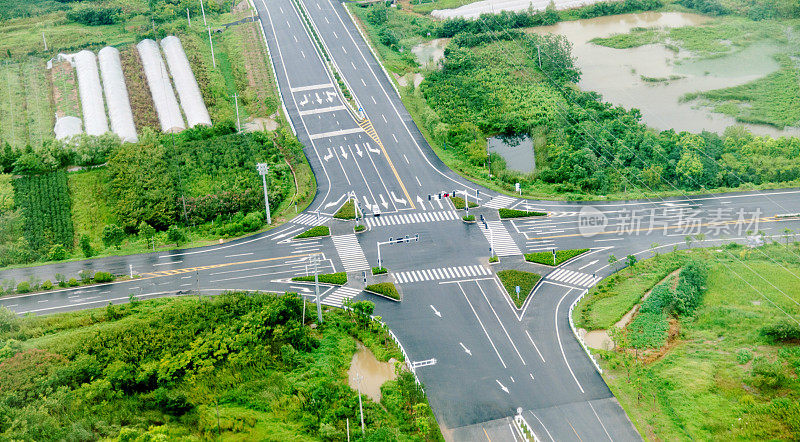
(653, 78)
(517, 151)
(429, 53)
(373, 373)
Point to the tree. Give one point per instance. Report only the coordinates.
(612, 261)
(147, 232)
(58, 253)
(112, 235)
(86, 246)
(176, 235)
(631, 260)
(688, 240)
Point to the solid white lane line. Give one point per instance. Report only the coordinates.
(587, 265)
(239, 254)
(501, 323)
(481, 324)
(167, 263)
(601, 422)
(535, 347)
(560, 345)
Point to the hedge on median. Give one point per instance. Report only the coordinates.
(379, 270)
(458, 203)
(387, 289)
(546, 258)
(314, 232)
(327, 278)
(514, 213)
(513, 278)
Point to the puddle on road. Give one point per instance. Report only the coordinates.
(373, 372)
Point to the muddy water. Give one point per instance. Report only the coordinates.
(617, 73)
(429, 53)
(373, 373)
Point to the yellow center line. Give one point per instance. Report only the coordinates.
(573, 429)
(651, 229)
(487, 434)
(396, 175)
(173, 272)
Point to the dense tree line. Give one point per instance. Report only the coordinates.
(45, 205)
(232, 366)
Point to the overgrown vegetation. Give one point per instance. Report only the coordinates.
(511, 279)
(235, 366)
(731, 371)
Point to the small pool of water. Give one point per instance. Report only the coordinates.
(373, 373)
(516, 150)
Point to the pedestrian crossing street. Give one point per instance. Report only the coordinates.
(500, 202)
(572, 277)
(410, 218)
(340, 295)
(350, 253)
(311, 219)
(442, 273)
(500, 239)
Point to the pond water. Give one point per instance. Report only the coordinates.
(373, 373)
(516, 150)
(618, 74)
(429, 53)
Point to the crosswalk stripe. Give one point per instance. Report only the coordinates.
(499, 202)
(393, 220)
(572, 277)
(441, 273)
(341, 294)
(309, 219)
(497, 234)
(350, 253)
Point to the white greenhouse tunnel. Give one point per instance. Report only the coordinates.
(169, 114)
(119, 105)
(94, 110)
(185, 83)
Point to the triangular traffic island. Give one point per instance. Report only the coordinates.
(325, 278)
(519, 284)
(348, 211)
(547, 258)
(314, 232)
(386, 290)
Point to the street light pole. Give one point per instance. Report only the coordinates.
(360, 406)
(263, 169)
(315, 260)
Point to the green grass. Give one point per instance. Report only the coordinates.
(514, 213)
(637, 37)
(608, 301)
(339, 278)
(426, 6)
(468, 218)
(359, 228)
(773, 100)
(188, 368)
(314, 232)
(458, 203)
(547, 257)
(379, 270)
(6, 193)
(721, 380)
(513, 278)
(347, 211)
(90, 209)
(387, 289)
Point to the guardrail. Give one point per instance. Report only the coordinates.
(580, 339)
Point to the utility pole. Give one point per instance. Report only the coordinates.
(188, 18)
(315, 260)
(45, 41)
(263, 169)
(203, 10)
(360, 406)
(238, 122)
(539, 53)
(211, 43)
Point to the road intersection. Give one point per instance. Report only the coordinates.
(491, 358)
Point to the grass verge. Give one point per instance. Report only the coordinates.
(514, 213)
(379, 270)
(386, 289)
(458, 202)
(339, 278)
(512, 279)
(546, 258)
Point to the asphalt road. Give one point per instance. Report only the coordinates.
(491, 358)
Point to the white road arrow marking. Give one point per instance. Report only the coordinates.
(367, 203)
(421, 202)
(359, 152)
(371, 149)
(398, 200)
(502, 387)
(331, 96)
(468, 351)
(436, 312)
(336, 203)
(304, 101)
(344, 154)
(319, 99)
(302, 289)
(328, 156)
(383, 202)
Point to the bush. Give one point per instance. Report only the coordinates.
(103, 277)
(379, 270)
(359, 228)
(339, 278)
(648, 330)
(546, 258)
(47, 285)
(24, 287)
(176, 235)
(112, 235)
(781, 332)
(58, 253)
(86, 246)
(387, 289)
(514, 213)
(94, 15)
(494, 258)
(314, 232)
(72, 282)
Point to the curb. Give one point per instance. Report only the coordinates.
(575, 332)
(382, 296)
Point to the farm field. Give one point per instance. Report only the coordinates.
(719, 373)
